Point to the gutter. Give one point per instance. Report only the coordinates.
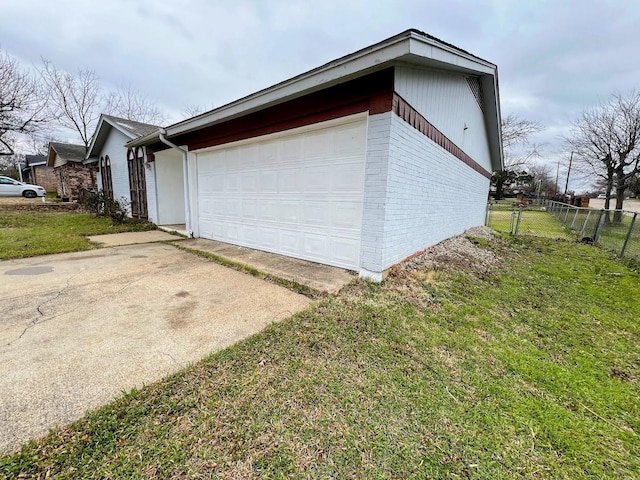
(185, 156)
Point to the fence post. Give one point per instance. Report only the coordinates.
(574, 218)
(626, 240)
(596, 234)
(586, 222)
(487, 217)
(518, 222)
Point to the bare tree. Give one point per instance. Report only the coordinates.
(543, 180)
(519, 151)
(76, 100)
(129, 103)
(22, 103)
(10, 164)
(194, 110)
(606, 142)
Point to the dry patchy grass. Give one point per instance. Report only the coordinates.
(523, 369)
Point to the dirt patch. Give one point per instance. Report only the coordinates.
(456, 253)
(414, 278)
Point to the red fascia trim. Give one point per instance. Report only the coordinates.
(410, 115)
(372, 93)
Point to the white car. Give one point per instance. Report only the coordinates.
(13, 188)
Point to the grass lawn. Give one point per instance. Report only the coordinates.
(532, 222)
(528, 371)
(25, 234)
(613, 235)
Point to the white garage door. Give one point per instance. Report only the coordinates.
(297, 193)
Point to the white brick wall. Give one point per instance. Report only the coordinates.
(375, 188)
(430, 195)
(114, 147)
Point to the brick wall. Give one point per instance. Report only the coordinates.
(72, 177)
(45, 177)
(430, 194)
(375, 188)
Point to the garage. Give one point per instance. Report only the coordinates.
(298, 193)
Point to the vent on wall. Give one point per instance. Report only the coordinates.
(476, 89)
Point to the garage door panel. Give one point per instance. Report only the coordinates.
(347, 177)
(250, 182)
(291, 149)
(289, 242)
(250, 156)
(345, 214)
(231, 231)
(266, 237)
(317, 144)
(250, 209)
(349, 141)
(268, 153)
(290, 211)
(289, 180)
(315, 246)
(297, 194)
(269, 210)
(344, 249)
(315, 213)
(317, 179)
(269, 181)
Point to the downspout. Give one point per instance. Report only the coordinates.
(185, 156)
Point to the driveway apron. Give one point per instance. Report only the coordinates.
(76, 330)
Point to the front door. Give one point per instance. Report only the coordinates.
(137, 183)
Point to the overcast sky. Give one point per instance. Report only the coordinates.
(555, 58)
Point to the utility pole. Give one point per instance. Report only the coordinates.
(566, 185)
(557, 173)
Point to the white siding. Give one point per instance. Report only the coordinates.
(447, 102)
(430, 194)
(58, 162)
(152, 204)
(167, 196)
(114, 146)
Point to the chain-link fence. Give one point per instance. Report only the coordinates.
(524, 218)
(615, 230)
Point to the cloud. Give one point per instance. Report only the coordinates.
(554, 58)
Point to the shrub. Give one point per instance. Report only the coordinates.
(96, 201)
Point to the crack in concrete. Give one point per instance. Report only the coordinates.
(171, 357)
(39, 320)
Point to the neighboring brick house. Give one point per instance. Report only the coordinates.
(37, 172)
(71, 173)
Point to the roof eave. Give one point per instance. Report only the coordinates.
(98, 142)
(408, 46)
(493, 119)
(51, 154)
(145, 140)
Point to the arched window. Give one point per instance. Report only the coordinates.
(105, 174)
(137, 182)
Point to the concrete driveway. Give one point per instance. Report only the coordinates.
(77, 329)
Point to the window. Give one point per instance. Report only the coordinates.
(105, 173)
(137, 182)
